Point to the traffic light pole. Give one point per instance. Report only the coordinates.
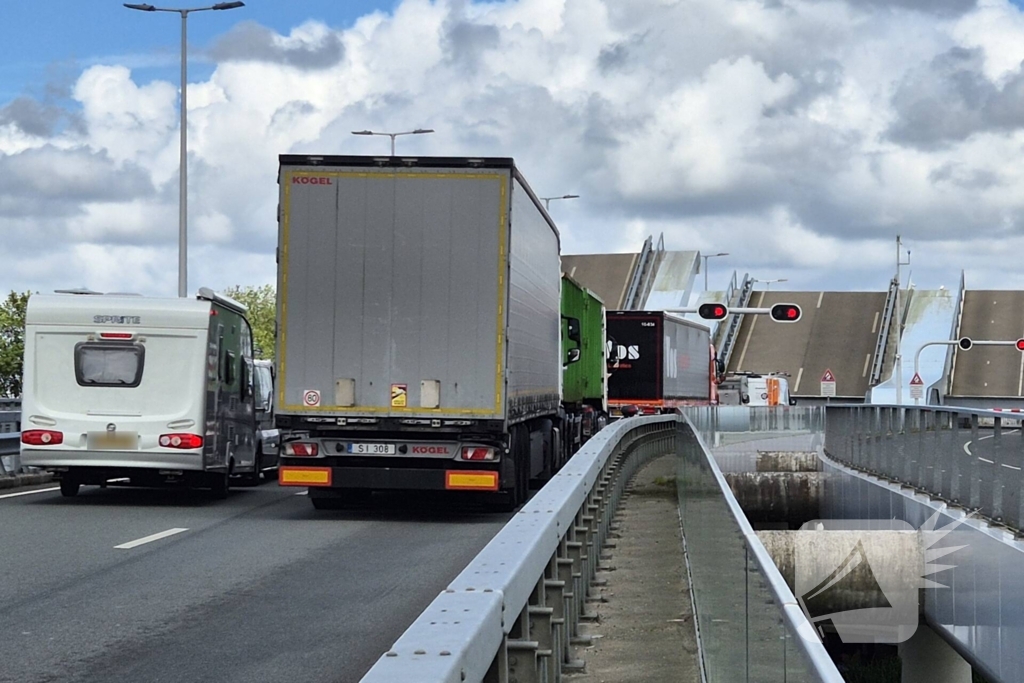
(780, 313)
(692, 309)
(965, 344)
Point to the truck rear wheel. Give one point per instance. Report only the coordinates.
(519, 452)
(219, 484)
(69, 487)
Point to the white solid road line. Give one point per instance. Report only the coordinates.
(149, 539)
(29, 493)
(967, 449)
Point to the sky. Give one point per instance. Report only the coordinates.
(800, 136)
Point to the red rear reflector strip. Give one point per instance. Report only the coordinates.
(42, 437)
(467, 480)
(116, 335)
(302, 449)
(476, 453)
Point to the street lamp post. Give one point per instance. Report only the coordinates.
(547, 200)
(768, 283)
(706, 257)
(418, 131)
(183, 154)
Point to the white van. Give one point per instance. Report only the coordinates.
(153, 391)
(752, 389)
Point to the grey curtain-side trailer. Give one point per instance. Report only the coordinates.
(418, 328)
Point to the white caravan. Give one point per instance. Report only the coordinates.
(153, 391)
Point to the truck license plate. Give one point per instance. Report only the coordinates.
(371, 448)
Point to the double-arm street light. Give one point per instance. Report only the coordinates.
(547, 200)
(183, 162)
(768, 283)
(706, 257)
(418, 131)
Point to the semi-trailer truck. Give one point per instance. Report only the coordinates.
(658, 362)
(419, 328)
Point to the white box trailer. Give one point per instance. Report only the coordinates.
(418, 326)
(149, 390)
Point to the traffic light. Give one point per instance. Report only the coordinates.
(785, 313)
(712, 311)
(965, 343)
(1020, 345)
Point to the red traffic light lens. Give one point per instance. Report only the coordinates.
(712, 311)
(785, 313)
(1020, 344)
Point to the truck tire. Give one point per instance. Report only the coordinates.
(550, 457)
(219, 485)
(512, 497)
(69, 487)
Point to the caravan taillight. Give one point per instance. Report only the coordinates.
(42, 437)
(302, 449)
(116, 335)
(183, 441)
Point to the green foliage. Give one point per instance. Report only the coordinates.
(12, 343)
(262, 305)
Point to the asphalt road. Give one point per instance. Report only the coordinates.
(837, 331)
(258, 587)
(991, 370)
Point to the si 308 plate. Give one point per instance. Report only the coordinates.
(371, 448)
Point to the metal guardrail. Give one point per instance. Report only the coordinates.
(637, 275)
(941, 451)
(953, 351)
(735, 320)
(642, 280)
(513, 613)
(10, 436)
(884, 329)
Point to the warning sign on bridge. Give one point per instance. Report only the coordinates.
(917, 387)
(828, 384)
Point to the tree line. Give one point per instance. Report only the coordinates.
(261, 302)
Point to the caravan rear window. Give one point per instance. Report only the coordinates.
(109, 365)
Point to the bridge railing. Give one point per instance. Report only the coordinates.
(712, 421)
(946, 452)
(513, 613)
(750, 625)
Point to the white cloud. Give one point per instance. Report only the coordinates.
(758, 128)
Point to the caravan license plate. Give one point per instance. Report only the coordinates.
(114, 440)
(371, 448)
